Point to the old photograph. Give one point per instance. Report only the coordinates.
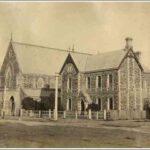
(74, 74)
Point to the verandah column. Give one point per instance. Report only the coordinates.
(56, 97)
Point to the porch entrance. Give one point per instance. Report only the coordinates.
(12, 105)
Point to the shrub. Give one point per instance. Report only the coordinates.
(93, 107)
(28, 103)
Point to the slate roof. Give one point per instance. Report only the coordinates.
(107, 60)
(34, 59)
(80, 60)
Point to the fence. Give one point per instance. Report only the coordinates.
(64, 114)
(99, 115)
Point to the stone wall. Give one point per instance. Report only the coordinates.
(79, 84)
(130, 84)
(31, 81)
(146, 85)
(69, 93)
(104, 93)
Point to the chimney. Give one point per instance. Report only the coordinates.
(138, 55)
(128, 43)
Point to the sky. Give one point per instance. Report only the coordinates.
(93, 27)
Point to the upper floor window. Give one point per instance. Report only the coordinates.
(69, 83)
(109, 81)
(40, 83)
(98, 82)
(88, 82)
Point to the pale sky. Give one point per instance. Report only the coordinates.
(91, 27)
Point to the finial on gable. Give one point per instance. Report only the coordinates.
(73, 48)
(69, 49)
(11, 37)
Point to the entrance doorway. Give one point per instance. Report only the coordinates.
(12, 105)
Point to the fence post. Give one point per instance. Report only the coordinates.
(76, 113)
(104, 114)
(39, 113)
(97, 115)
(49, 114)
(30, 113)
(90, 117)
(64, 114)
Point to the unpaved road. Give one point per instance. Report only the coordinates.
(74, 133)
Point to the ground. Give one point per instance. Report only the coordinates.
(74, 133)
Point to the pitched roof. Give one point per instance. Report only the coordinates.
(80, 60)
(103, 61)
(35, 59)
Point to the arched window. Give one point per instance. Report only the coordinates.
(69, 83)
(34, 83)
(8, 77)
(12, 105)
(40, 83)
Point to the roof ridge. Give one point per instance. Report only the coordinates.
(28, 44)
(109, 51)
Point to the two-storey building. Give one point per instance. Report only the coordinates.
(113, 80)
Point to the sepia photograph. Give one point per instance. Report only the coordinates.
(74, 74)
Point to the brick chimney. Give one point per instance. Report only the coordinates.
(128, 43)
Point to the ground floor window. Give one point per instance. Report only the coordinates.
(99, 103)
(69, 104)
(110, 103)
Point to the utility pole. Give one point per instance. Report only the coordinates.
(56, 96)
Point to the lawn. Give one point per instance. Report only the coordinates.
(18, 135)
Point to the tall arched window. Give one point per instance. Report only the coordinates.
(40, 83)
(8, 78)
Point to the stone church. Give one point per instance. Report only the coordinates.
(27, 69)
(113, 80)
